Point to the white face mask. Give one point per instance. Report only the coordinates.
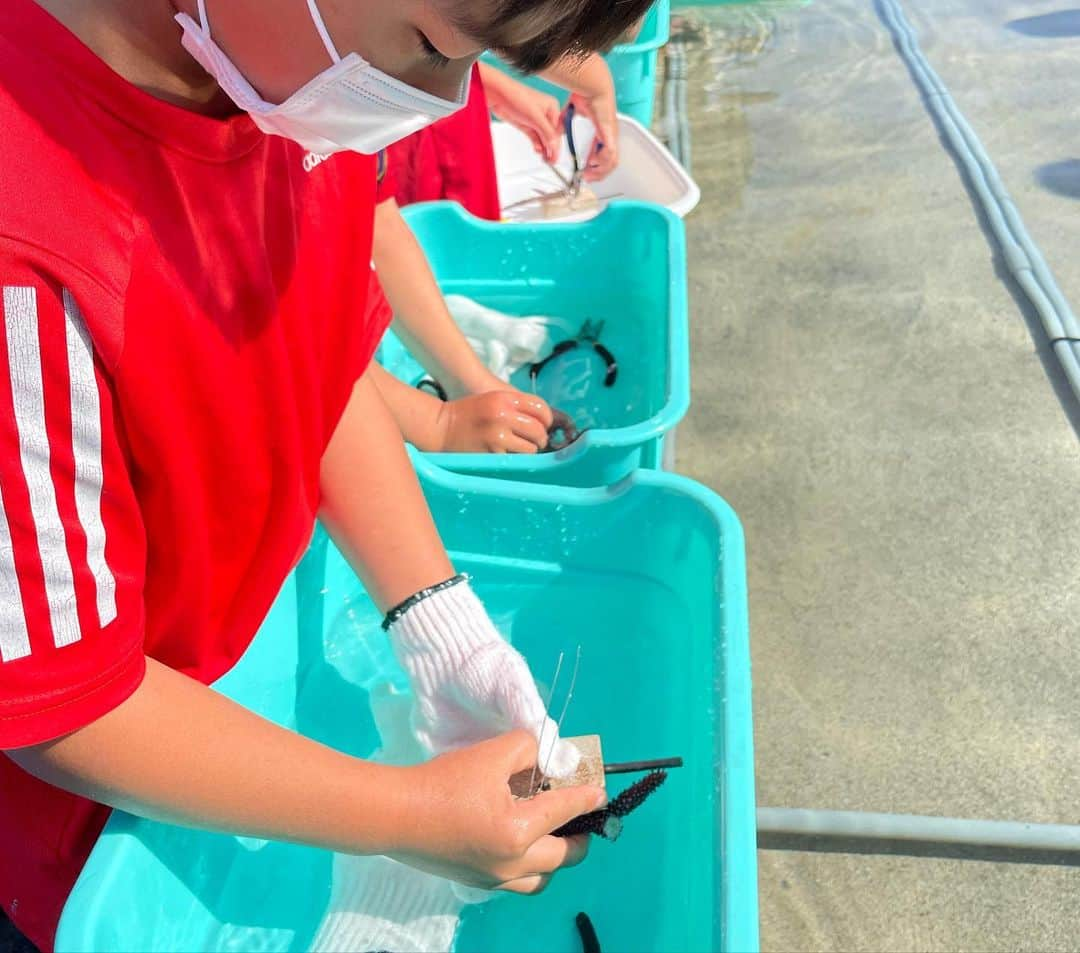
(351, 106)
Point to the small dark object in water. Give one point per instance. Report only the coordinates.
(607, 822)
(562, 433)
(590, 943)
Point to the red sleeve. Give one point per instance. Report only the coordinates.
(466, 155)
(416, 169)
(386, 178)
(72, 545)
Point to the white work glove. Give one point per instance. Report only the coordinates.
(468, 682)
(377, 903)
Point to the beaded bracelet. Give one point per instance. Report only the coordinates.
(402, 607)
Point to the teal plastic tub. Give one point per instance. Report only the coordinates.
(633, 67)
(649, 579)
(626, 267)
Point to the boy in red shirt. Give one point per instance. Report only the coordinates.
(182, 392)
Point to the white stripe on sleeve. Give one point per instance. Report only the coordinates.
(28, 392)
(14, 638)
(86, 443)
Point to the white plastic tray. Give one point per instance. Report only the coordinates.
(646, 172)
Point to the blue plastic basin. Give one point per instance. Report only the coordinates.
(626, 267)
(649, 579)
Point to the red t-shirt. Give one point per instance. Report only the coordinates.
(184, 316)
(451, 159)
(379, 312)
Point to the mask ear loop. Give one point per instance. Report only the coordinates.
(320, 25)
(204, 22)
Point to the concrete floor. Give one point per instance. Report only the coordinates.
(877, 405)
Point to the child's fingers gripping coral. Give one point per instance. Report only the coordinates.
(498, 421)
(519, 831)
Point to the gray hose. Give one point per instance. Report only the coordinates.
(678, 49)
(1022, 257)
(913, 827)
(670, 120)
(676, 122)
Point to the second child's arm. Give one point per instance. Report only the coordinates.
(498, 421)
(487, 414)
(421, 318)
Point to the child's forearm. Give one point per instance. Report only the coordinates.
(421, 318)
(417, 414)
(176, 751)
(372, 505)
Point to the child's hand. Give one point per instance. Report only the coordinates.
(499, 421)
(465, 825)
(604, 154)
(534, 113)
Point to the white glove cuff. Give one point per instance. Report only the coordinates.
(450, 624)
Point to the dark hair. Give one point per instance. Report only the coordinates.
(578, 28)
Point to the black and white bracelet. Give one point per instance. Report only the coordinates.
(402, 607)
